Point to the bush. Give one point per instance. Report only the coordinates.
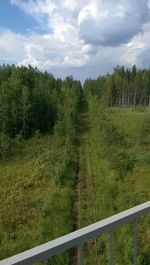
(143, 136)
(126, 164)
(5, 145)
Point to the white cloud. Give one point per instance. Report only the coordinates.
(11, 46)
(71, 4)
(84, 38)
(61, 46)
(112, 22)
(140, 47)
(36, 7)
(45, 51)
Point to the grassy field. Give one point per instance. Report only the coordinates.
(135, 127)
(113, 175)
(34, 208)
(134, 189)
(120, 163)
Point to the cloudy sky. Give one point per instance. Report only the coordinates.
(84, 38)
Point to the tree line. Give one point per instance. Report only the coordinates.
(31, 102)
(124, 87)
(35, 109)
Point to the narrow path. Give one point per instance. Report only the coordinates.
(85, 186)
(81, 132)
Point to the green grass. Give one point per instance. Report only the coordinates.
(135, 127)
(134, 190)
(114, 166)
(121, 172)
(34, 208)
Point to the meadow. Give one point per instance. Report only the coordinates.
(113, 154)
(71, 156)
(34, 208)
(119, 156)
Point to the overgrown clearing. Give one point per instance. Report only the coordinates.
(90, 161)
(34, 209)
(119, 161)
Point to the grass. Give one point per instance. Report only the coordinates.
(114, 166)
(134, 190)
(34, 208)
(135, 127)
(120, 170)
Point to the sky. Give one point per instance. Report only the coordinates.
(83, 38)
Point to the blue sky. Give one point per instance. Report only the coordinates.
(14, 18)
(83, 38)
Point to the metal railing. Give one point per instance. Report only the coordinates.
(77, 238)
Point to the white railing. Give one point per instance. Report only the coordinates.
(77, 238)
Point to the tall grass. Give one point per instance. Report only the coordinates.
(119, 147)
(34, 207)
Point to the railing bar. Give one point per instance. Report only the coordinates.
(111, 248)
(135, 241)
(76, 238)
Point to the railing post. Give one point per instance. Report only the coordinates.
(44, 262)
(111, 248)
(135, 242)
(80, 255)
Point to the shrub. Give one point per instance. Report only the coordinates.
(5, 145)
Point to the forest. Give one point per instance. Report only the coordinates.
(71, 155)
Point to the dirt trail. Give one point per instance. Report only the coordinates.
(84, 183)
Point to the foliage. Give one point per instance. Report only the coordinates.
(119, 140)
(28, 100)
(49, 130)
(124, 87)
(5, 145)
(38, 180)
